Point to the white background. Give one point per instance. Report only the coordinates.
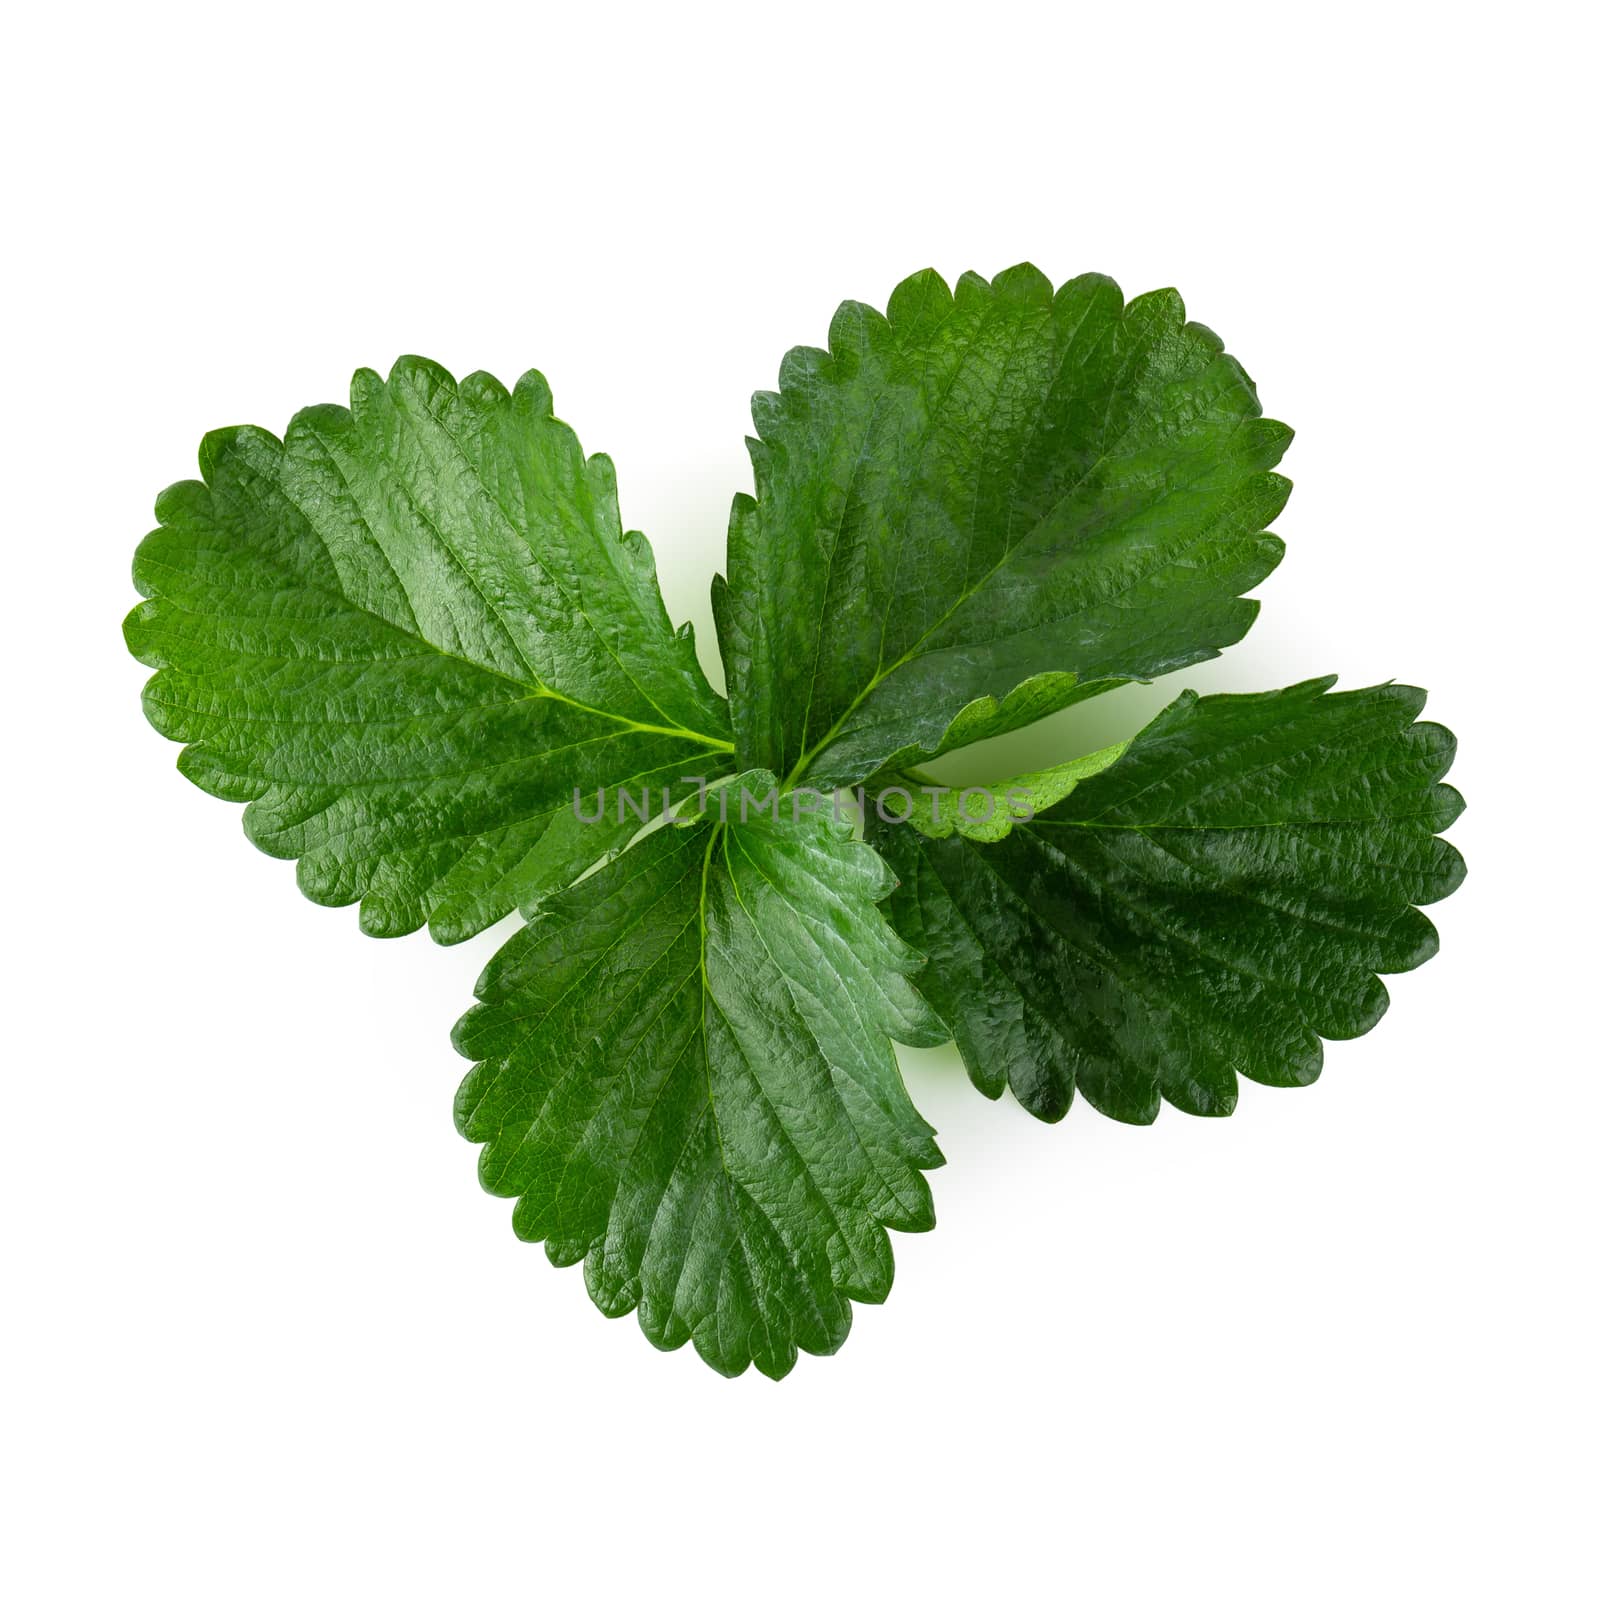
(265, 1335)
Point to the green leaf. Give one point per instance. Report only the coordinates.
(1207, 906)
(414, 639)
(406, 635)
(685, 1079)
(982, 507)
(983, 812)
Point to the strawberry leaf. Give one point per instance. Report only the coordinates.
(1207, 905)
(405, 635)
(981, 507)
(414, 639)
(685, 1079)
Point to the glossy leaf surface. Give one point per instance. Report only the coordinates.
(1209, 905)
(413, 637)
(685, 1079)
(405, 635)
(982, 506)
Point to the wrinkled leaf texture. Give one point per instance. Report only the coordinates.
(408, 632)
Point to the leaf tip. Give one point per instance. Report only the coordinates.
(532, 394)
(1024, 284)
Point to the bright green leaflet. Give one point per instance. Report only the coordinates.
(981, 507)
(686, 1081)
(1208, 905)
(405, 635)
(985, 817)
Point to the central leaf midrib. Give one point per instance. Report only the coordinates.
(1108, 450)
(708, 998)
(538, 686)
(534, 689)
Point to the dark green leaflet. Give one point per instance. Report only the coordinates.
(686, 1080)
(981, 507)
(1207, 906)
